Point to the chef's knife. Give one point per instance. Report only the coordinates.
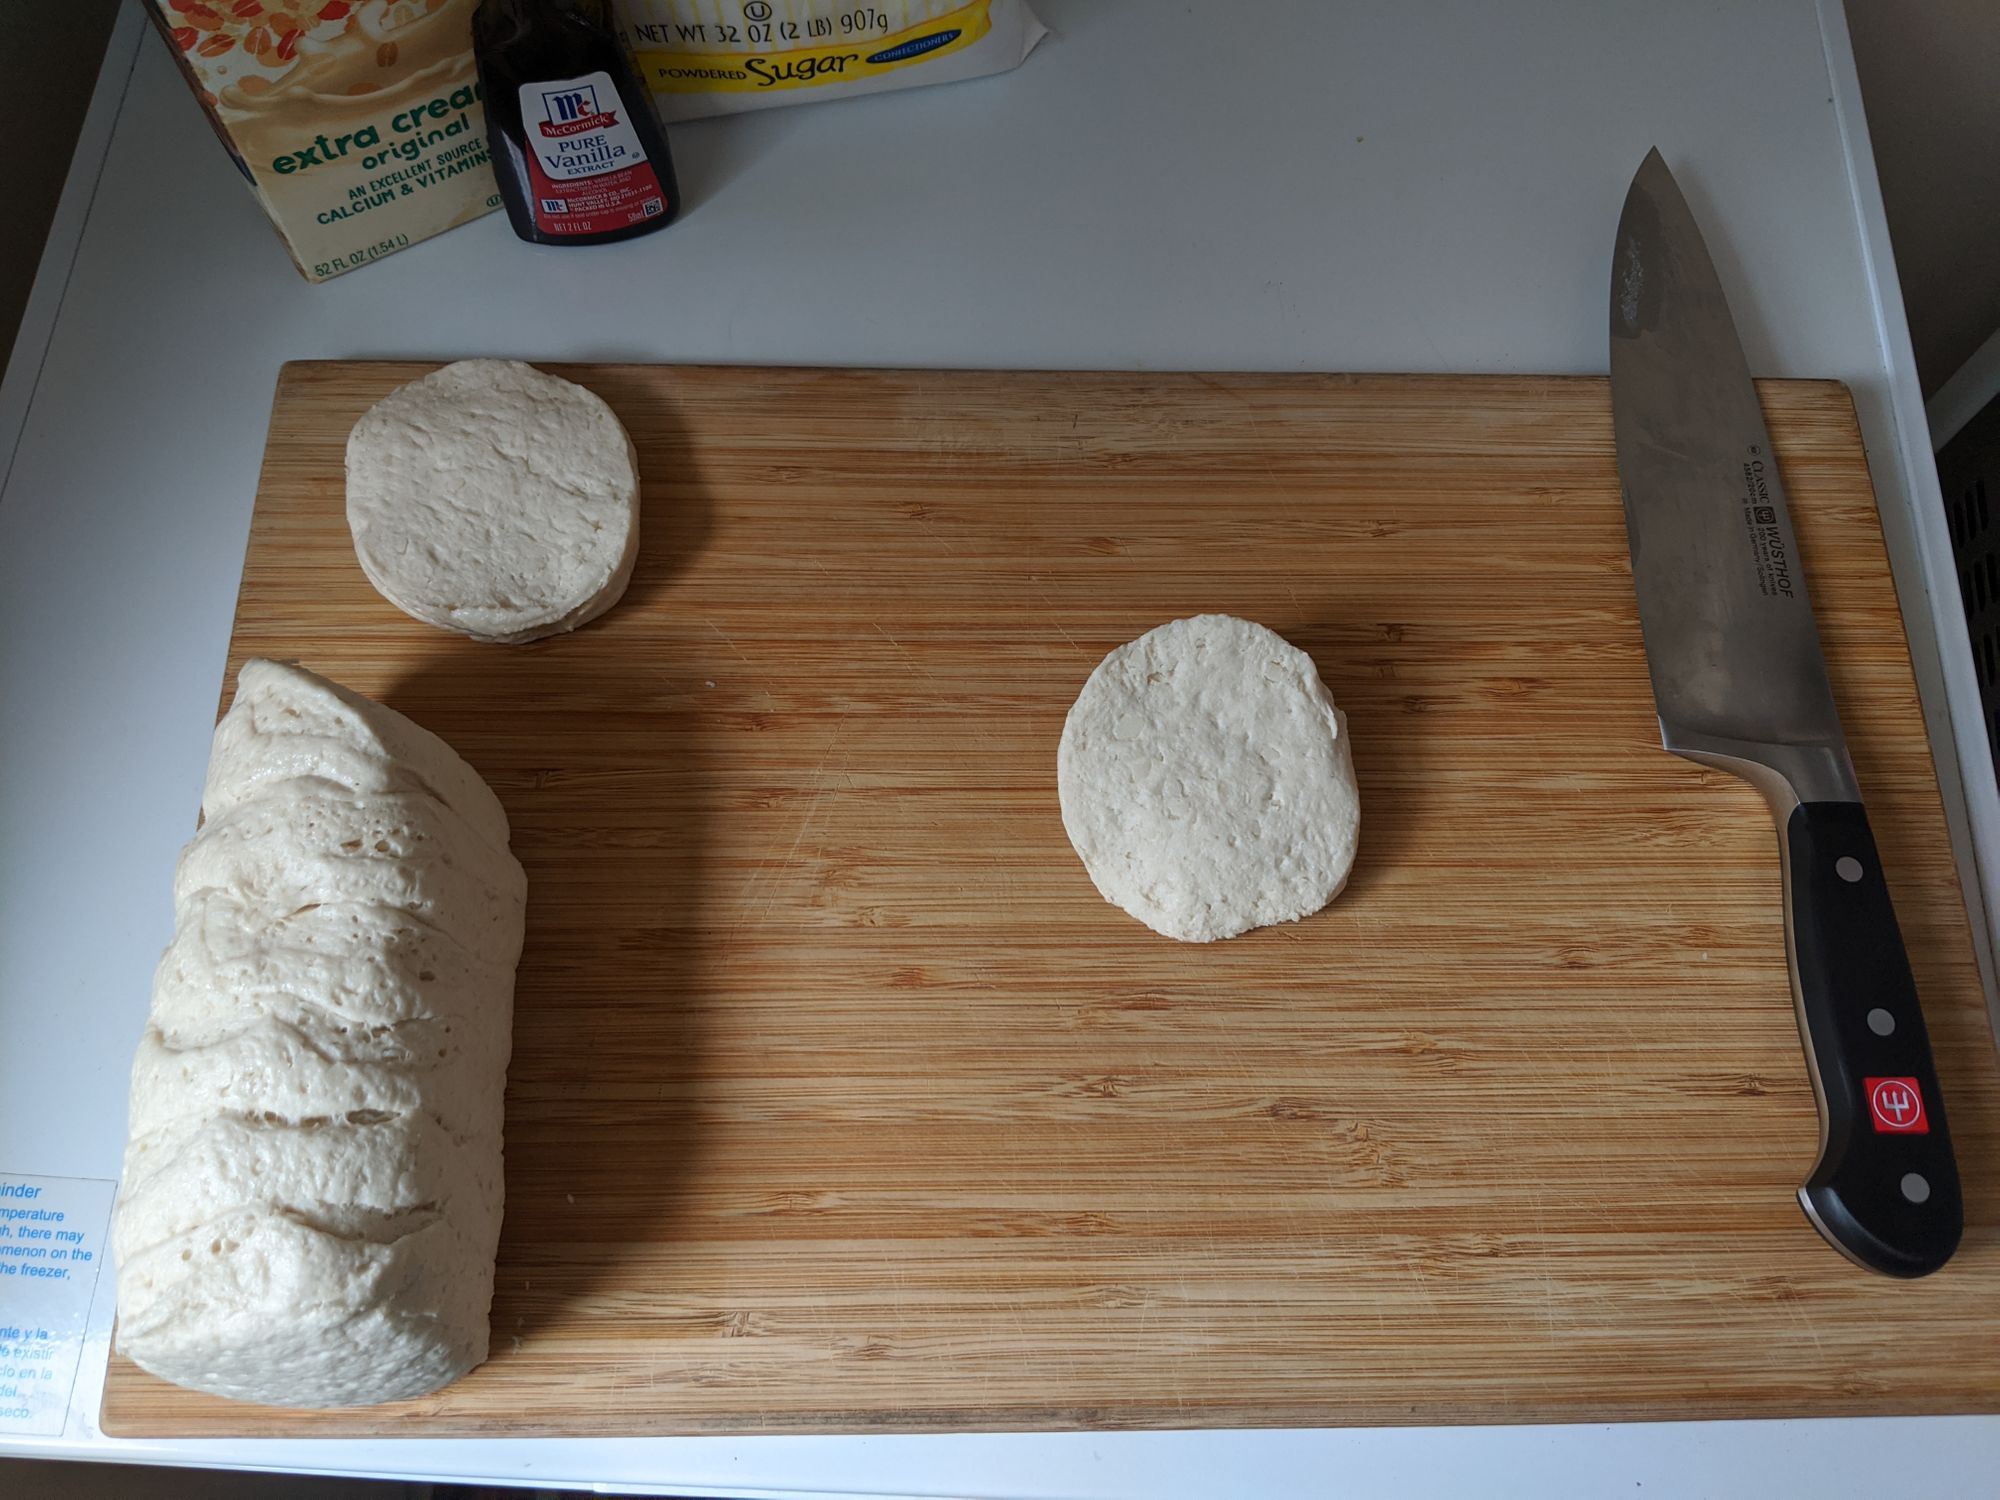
(1741, 685)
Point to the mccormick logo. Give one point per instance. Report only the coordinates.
(574, 111)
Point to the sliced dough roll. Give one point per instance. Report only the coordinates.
(1206, 780)
(312, 1188)
(349, 964)
(302, 843)
(295, 1070)
(329, 1171)
(286, 723)
(494, 500)
(349, 1314)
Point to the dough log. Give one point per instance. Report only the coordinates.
(312, 1189)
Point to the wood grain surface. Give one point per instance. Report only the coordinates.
(841, 1102)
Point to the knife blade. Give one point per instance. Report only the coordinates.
(1741, 685)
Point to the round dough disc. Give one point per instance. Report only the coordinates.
(1206, 780)
(491, 499)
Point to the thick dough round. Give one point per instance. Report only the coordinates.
(494, 500)
(1206, 780)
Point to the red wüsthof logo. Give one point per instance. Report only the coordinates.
(1896, 1105)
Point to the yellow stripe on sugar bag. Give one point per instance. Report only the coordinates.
(701, 57)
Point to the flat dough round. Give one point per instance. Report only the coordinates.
(491, 499)
(1206, 780)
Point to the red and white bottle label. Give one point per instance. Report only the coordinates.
(587, 172)
(1896, 1105)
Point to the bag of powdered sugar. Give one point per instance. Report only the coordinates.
(715, 57)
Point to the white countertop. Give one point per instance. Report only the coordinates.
(1319, 184)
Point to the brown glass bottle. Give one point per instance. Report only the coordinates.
(579, 154)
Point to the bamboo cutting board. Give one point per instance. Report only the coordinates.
(841, 1102)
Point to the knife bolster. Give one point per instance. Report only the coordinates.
(1786, 774)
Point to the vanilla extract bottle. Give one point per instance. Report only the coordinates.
(580, 156)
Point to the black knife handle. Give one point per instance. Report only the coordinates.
(1885, 1190)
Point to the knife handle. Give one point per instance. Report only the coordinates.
(1885, 1189)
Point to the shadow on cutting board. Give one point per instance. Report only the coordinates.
(1363, 663)
(594, 743)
